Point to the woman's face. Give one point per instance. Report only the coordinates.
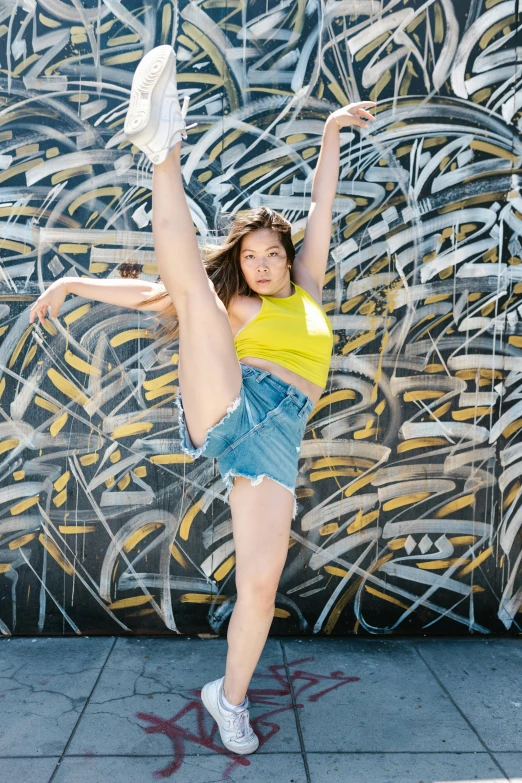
(264, 262)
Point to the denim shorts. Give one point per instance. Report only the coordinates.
(260, 433)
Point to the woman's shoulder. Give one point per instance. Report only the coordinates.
(243, 308)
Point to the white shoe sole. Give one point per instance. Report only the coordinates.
(210, 705)
(154, 121)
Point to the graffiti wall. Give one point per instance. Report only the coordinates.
(410, 496)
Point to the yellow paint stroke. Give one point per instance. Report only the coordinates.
(138, 535)
(471, 413)
(124, 603)
(397, 543)
(344, 599)
(60, 499)
(431, 368)
(80, 364)
(462, 540)
(5, 567)
(380, 407)
(476, 562)
(405, 500)
(351, 345)
(22, 541)
(16, 247)
(69, 530)
(20, 345)
(29, 355)
(455, 505)
(8, 444)
(366, 433)
(170, 459)
(18, 475)
(56, 554)
(161, 380)
(141, 471)
(515, 340)
(152, 395)
(89, 459)
(324, 474)
(282, 613)
(438, 412)
(124, 482)
(75, 171)
(19, 508)
(13, 171)
(510, 497)
(123, 57)
(112, 190)
(74, 315)
(131, 334)
(385, 597)
(435, 323)
(326, 530)
(330, 399)
(335, 571)
(203, 598)
(378, 372)
(115, 456)
(224, 568)
(435, 565)
(49, 406)
(260, 171)
(361, 520)
(423, 394)
(178, 556)
(184, 528)
(132, 428)
(66, 387)
(511, 428)
(355, 486)
(72, 248)
(420, 443)
(58, 424)
(324, 462)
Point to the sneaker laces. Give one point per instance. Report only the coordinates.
(240, 722)
(184, 109)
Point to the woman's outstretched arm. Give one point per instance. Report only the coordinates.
(312, 258)
(125, 293)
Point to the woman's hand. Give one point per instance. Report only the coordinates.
(353, 114)
(53, 297)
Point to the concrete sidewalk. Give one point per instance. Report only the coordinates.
(361, 710)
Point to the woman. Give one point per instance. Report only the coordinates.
(254, 353)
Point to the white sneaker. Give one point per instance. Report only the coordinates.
(155, 122)
(234, 726)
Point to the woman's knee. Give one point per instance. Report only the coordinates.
(257, 592)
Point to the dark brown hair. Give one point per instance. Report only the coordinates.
(222, 263)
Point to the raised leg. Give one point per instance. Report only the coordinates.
(261, 521)
(209, 370)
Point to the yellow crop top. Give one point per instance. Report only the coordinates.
(293, 331)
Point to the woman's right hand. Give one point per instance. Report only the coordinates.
(52, 297)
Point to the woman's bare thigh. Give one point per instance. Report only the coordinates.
(261, 522)
(209, 370)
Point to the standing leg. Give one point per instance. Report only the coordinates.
(261, 521)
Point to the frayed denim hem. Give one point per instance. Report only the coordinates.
(196, 452)
(228, 478)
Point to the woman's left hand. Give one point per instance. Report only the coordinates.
(354, 114)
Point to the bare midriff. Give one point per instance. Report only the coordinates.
(311, 390)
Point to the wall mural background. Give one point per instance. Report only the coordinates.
(410, 497)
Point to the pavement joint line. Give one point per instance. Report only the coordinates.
(296, 713)
(275, 753)
(80, 716)
(462, 713)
